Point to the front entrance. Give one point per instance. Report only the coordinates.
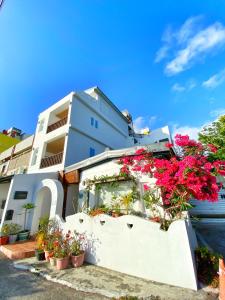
(42, 207)
(48, 200)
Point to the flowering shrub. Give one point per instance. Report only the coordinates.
(188, 175)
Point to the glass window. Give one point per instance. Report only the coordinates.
(9, 215)
(92, 121)
(19, 195)
(91, 152)
(34, 157)
(96, 124)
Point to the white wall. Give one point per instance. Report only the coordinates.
(155, 136)
(142, 250)
(4, 188)
(78, 147)
(23, 182)
(112, 130)
(107, 168)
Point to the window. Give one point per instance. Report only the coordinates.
(3, 204)
(41, 125)
(20, 195)
(9, 215)
(96, 124)
(34, 157)
(91, 152)
(92, 121)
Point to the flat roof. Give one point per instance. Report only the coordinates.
(113, 154)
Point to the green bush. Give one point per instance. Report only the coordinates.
(207, 266)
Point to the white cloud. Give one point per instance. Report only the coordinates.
(186, 130)
(161, 53)
(141, 123)
(187, 29)
(200, 44)
(215, 80)
(190, 43)
(217, 112)
(177, 87)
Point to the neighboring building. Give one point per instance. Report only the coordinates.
(7, 141)
(16, 159)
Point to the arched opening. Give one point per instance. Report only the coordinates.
(48, 200)
(42, 207)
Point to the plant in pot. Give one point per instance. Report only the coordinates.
(49, 246)
(4, 234)
(14, 229)
(77, 248)
(41, 237)
(61, 252)
(24, 235)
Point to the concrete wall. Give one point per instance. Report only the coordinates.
(78, 147)
(23, 182)
(112, 130)
(4, 188)
(138, 247)
(108, 168)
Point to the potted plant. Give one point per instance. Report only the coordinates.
(41, 237)
(13, 232)
(4, 237)
(49, 247)
(24, 235)
(61, 252)
(77, 250)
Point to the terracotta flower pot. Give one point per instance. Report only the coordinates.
(4, 240)
(52, 261)
(77, 260)
(47, 255)
(62, 263)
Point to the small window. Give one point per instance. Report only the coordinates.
(9, 215)
(164, 140)
(20, 195)
(34, 157)
(41, 125)
(3, 204)
(92, 152)
(92, 121)
(96, 124)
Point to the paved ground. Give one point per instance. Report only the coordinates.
(16, 285)
(109, 283)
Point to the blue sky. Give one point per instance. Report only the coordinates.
(164, 61)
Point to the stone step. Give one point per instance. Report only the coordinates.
(19, 250)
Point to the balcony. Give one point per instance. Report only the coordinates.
(52, 160)
(57, 124)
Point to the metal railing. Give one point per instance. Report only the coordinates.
(51, 160)
(57, 124)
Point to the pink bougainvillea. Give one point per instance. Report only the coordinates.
(180, 178)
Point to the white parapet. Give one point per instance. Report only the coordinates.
(139, 247)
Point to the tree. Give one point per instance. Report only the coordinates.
(214, 135)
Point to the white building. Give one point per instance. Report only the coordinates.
(79, 126)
